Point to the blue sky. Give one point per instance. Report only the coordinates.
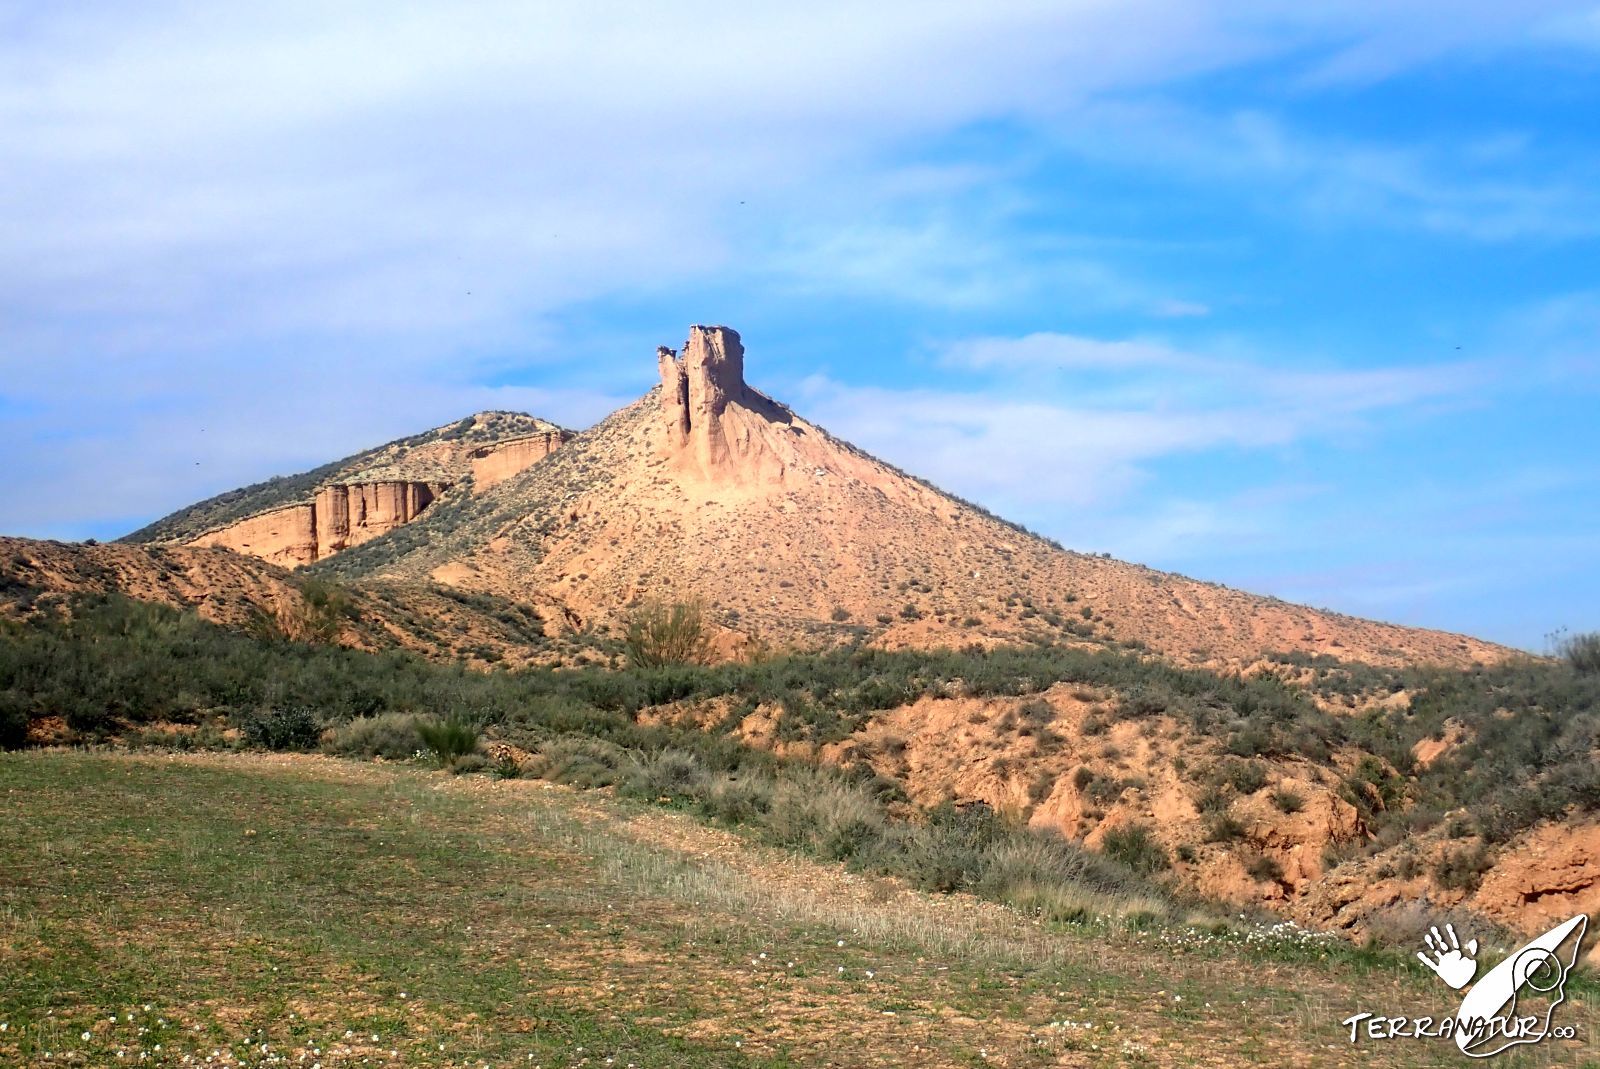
(1307, 303)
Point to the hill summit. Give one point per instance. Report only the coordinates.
(706, 488)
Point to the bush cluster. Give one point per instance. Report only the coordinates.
(108, 666)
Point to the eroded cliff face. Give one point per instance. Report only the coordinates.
(339, 517)
(697, 390)
(496, 463)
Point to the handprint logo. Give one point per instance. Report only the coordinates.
(1456, 965)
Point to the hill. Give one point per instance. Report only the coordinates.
(708, 489)
(298, 519)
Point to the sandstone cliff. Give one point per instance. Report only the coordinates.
(301, 519)
(337, 518)
(496, 463)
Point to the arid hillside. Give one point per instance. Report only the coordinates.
(246, 594)
(707, 489)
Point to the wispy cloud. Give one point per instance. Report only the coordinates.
(1038, 446)
(1487, 188)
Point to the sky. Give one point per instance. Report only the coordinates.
(1303, 299)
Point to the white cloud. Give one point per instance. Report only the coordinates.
(1049, 350)
(315, 224)
(1041, 447)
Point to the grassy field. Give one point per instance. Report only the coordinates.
(296, 910)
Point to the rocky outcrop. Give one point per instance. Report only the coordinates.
(696, 390)
(286, 536)
(496, 463)
(339, 517)
(1549, 876)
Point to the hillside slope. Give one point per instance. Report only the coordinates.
(706, 488)
(245, 594)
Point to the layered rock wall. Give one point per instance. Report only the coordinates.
(339, 517)
(286, 536)
(496, 463)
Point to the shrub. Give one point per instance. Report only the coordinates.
(821, 814)
(1135, 847)
(659, 634)
(13, 720)
(840, 614)
(580, 761)
(1222, 828)
(1246, 777)
(1264, 868)
(1582, 652)
(1028, 861)
(1288, 801)
(392, 735)
(737, 799)
(666, 774)
(1462, 870)
(466, 763)
(451, 738)
(294, 728)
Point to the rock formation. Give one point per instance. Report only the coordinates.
(338, 517)
(496, 463)
(697, 389)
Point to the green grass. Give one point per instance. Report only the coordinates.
(308, 905)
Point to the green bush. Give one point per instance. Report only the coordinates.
(1222, 828)
(667, 774)
(14, 709)
(450, 738)
(295, 728)
(1582, 652)
(822, 814)
(1288, 801)
(1134, 846)
(1264, 868)
(1462, 870)
(658, 633)
(394, 736)
(580, 761)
